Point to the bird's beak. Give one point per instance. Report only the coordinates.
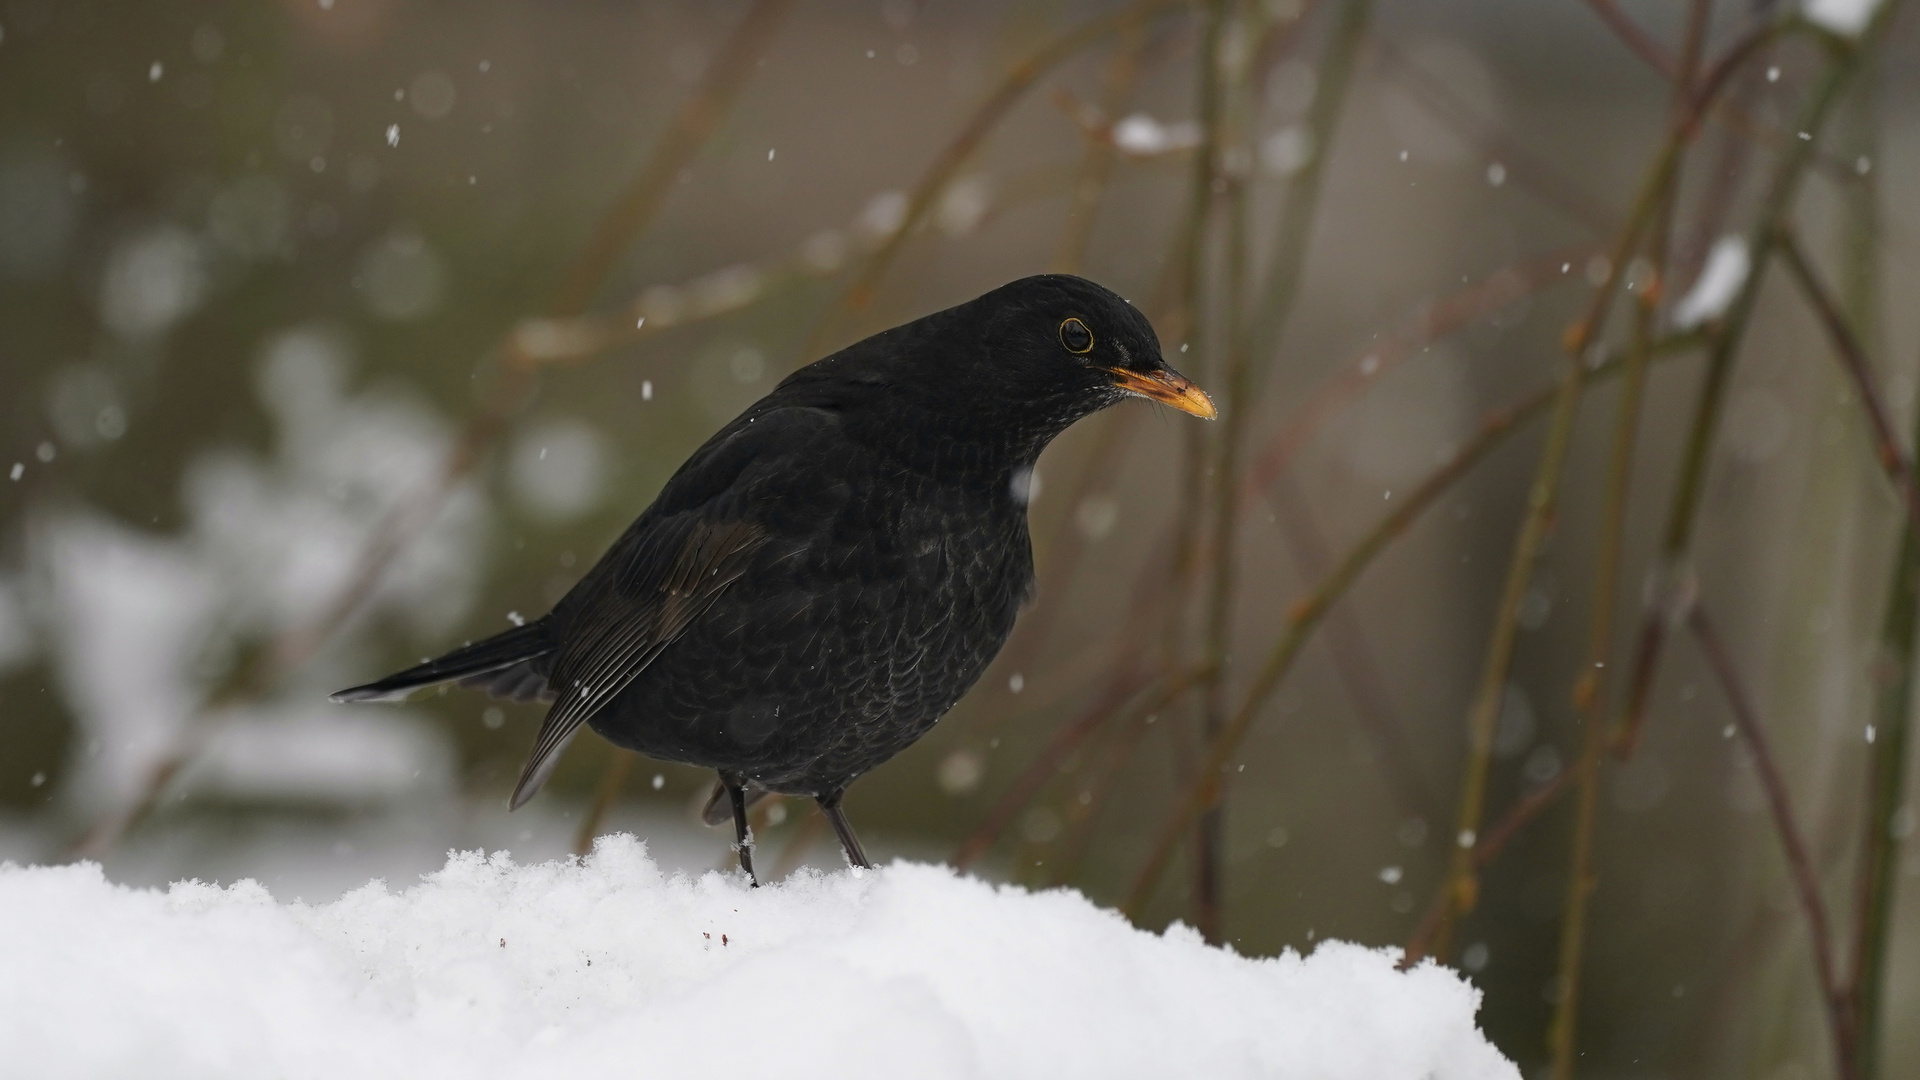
(1168, 387)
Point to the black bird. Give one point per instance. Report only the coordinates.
(833, 570)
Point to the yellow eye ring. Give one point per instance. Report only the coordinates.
(1075, 337)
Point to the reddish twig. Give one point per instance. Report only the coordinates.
(1353, 660)
(1853, 359)
(1486, 849)
(1775, 210)
(986, 116)
(1793, 845)
(1427, 324)
(1047, 763)
(1524, 171)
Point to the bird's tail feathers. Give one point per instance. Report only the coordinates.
(511, 649)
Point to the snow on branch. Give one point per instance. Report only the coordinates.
(1720, 280)
(1844, 17)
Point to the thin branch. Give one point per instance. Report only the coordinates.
(1253, 339)
(411, 516)
(1589, 689)
(1853, 359)
(1463, 881)
(1353, 660)
(1524, 170)
(1877, 876)
(1879, 873)
(1488, 847)
(1097, 796)
(1429, 322)
(1696, 454)
(613, 780)
(1161, 690)
(1589, 700)
(1793, 845)
(1732, 114)
(1192, 331)
(1096, 159)
(1307, 612)
(985, 117)
(696, 122)
(1643, 44)
(806, 834)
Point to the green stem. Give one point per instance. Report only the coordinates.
(1306, 613)
(1254, 336)
(1894, 675)
(1762, 238)
(1886, 790)
(1096, 160)
(1590, 687)
(986, 116)
(1462, 877)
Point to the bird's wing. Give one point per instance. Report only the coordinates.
(699, 536)
(627, 625)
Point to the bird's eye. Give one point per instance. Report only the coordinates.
(1076, 337)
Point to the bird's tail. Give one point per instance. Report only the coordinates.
(512, 664)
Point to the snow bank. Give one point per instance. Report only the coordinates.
(612, 968)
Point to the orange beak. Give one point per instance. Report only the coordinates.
(1168, 387)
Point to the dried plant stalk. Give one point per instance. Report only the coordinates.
(1793, 844)
(1307, 612)
(1763, 238)
(1589, 698)
(623, 222)
(1253, 338)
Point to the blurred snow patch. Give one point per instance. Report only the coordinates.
(130, 617)
(141, 625)
(558, 468)
(1845, 17)
(1141, 134)
(1286, 151)
(153, 279)
(883, 215)
(489, 969)
(323, 754)
(1719, 282)
(287, 532)
(964, 205)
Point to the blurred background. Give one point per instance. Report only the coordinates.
(322, 351)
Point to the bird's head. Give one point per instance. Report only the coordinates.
(1059, 347)
(1002, 374)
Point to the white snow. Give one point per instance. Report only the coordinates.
(1720, 280)
(1142, 135)
(139, 624)
(1845, 17)
(612, 968)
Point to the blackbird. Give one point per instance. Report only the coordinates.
(832, 571)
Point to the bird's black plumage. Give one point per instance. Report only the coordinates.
(832, 571)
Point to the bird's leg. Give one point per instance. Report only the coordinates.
(849, 843)
(742, 835)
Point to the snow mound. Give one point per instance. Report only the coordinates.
(608, 967)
